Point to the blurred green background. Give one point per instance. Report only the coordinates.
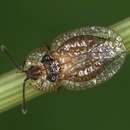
(28, 24)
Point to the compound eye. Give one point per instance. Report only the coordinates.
(51, 78)
(46, 59)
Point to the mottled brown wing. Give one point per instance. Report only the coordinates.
(89, 55)
(88, 74)
(86, 68)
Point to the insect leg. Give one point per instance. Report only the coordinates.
(24, 110)
(4, 50)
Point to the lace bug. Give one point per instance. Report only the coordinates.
(77, 60)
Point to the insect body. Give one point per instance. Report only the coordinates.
(77, 60)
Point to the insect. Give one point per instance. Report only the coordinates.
(77, 60)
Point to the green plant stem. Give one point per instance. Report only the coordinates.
(11, 82)
(11, 90)
(123, 29)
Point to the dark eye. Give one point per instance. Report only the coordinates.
(52, 77)
(46, 58)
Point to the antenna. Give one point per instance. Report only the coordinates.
(4, 50)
